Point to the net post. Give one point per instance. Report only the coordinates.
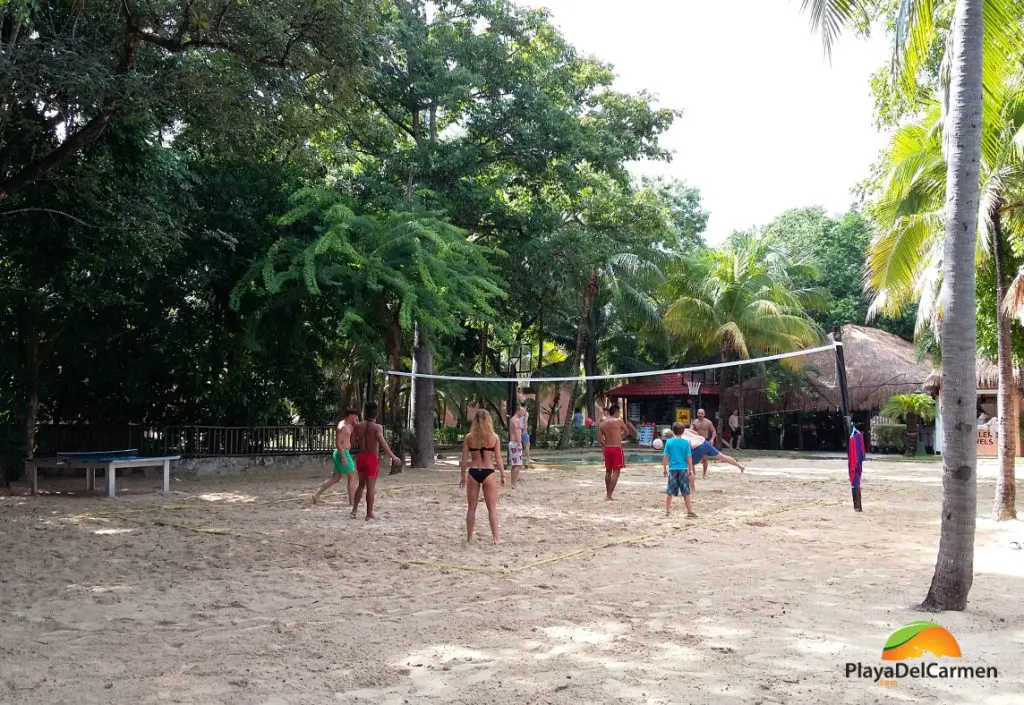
(844, 399)
(844, 402)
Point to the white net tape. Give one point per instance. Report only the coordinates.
(622, 375)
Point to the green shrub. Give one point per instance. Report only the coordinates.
(889, 438)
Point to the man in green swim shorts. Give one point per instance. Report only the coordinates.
(343, 462)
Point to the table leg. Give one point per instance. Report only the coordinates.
(167, 476)
(34, 469)
(110, 480)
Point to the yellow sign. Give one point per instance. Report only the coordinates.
(683, 416)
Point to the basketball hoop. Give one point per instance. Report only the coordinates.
(694, 388)
(524, 383)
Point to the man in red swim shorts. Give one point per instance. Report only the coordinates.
(610, 434)
(370, 437)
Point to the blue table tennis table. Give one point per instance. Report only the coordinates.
(109, 461)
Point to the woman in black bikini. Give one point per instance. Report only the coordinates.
(481, 449)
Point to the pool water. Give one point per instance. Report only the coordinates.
(631, 459)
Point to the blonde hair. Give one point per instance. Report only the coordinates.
(482, 428)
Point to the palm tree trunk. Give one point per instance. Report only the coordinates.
(954, 566)
(589, 294)
(424, 406)
(910, 449)
(1005, 504)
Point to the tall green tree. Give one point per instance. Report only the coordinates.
(838, 249)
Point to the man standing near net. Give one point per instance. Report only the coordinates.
(369, 435)
(704, 426)
(516, 426)
(344, 465)
(610, 434)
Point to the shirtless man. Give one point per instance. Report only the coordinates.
(609, 435)
(343, 462)
(516, 431)
(369, 436)
(703, 425)
(702, 449)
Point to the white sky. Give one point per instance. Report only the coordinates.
(769, 123)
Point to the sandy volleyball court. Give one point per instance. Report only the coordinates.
(236, 591)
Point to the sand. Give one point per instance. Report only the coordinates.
(237, 591)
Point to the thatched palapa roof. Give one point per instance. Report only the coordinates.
(987, 373)
(878, 365)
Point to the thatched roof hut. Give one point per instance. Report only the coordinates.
(878, 365)
(987, 373)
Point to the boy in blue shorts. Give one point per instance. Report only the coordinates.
(677, 466)
(702, 448)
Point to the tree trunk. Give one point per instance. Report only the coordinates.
(31, 386)
(1005, 504)
(393, 346)
(425, 405)
(590, 369)
(954, 566)
(910, 448)
(589, 294)
(535, 419)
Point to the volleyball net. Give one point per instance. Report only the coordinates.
(525, 378)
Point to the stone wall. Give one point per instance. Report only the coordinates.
(244, 465)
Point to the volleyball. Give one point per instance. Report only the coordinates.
(658, 445)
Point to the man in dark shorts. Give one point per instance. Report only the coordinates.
(369, 436)
(610, 434)
(702, 450)
(706, 428)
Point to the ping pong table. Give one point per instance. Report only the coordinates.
(109, 461)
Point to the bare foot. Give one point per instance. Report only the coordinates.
(608, 498)
(691, 515)
(316, 498)
(742, 468)
(370, 517)
(668, 514)
(471, 539)
(353, 513)
(497, 541)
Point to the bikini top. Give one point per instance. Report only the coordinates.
(481, 451)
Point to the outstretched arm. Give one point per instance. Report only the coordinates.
(385, 446)
(464, 462)
(499, 460)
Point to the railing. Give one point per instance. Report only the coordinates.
(187, 441)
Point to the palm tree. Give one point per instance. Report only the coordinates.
(623, 275)
(740, 301)
(969, 65)
(910, 409)
(905, 257)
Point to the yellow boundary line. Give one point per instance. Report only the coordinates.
(466, 568)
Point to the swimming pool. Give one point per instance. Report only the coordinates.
(596, 460)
